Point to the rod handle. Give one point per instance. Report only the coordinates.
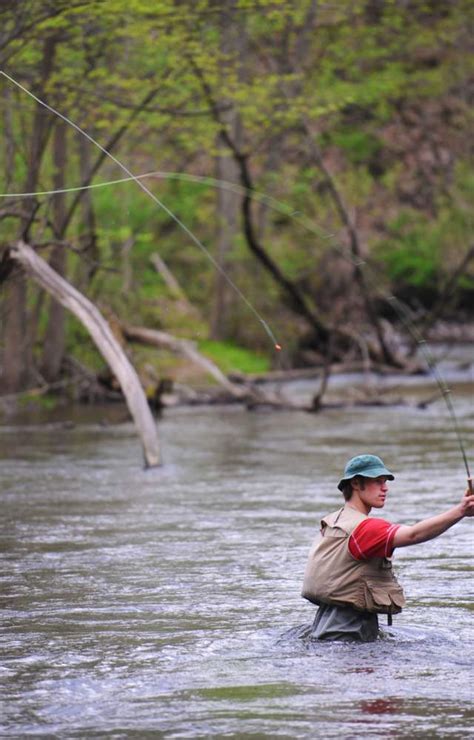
(469, 485)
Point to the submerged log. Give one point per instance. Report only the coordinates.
(107, 344)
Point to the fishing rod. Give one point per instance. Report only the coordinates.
(399, 308)
(445, 390)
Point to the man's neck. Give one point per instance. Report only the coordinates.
(355, 502)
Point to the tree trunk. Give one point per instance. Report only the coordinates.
(17, 350)
(355, 247)
(15, 371)
(228, 226)
(105, 152)
(232, 45)
(104, 339)
(87, 266)
(11, 313)
(8, 127)
(54, 339)
(294, 297)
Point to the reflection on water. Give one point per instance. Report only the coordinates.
(168, 602)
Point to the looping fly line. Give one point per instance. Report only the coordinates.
(156, 200)
(399, 308)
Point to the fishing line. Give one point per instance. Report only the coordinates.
(159, 203)
(399, 308)
(402, 312)
(264, 198)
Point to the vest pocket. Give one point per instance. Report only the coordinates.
(382, 597)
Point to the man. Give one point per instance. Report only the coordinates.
(349, 572)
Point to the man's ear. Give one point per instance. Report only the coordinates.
(356, 483)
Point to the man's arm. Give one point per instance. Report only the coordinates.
(430, 528)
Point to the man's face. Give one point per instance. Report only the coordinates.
(374, 491)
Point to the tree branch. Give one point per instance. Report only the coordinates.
(101, 334)
(113, 141)
(294, 296)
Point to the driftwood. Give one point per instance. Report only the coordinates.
(186, 348)
(104, 339)
(242, 388)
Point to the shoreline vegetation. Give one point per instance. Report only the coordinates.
(245, 177)
(200, 381)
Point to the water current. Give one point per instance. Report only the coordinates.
(167, 603)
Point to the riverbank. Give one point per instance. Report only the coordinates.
(349, 386)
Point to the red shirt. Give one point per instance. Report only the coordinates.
(372, 538)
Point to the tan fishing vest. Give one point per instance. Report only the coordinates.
(333, 576)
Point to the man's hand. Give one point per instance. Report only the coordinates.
(467, 502)
(430, 528)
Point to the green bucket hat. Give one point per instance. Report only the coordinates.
(370, 466)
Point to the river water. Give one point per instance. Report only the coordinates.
(167, 603)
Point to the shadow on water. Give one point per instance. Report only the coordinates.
(167, 603)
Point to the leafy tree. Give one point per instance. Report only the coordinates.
(350, 115)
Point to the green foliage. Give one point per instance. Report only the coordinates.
(81, 346)
(412, 253)
(420, 252)
(160, 82)
(231, 358)
(44, 401)
(359, 146)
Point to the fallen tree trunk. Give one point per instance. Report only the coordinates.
(242, 388)
(183, 347)
(104, 339)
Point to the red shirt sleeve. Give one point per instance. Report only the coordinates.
(372, 538)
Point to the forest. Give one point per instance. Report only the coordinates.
(218, 191)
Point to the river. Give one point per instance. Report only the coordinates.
(167, 603)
